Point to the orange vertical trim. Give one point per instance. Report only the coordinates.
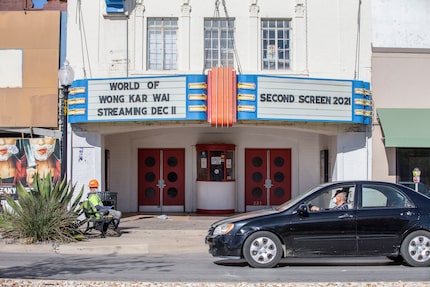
(222, 97)
(210, 95)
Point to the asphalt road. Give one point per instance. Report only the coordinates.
(198, 267)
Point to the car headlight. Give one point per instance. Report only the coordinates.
(223, 229)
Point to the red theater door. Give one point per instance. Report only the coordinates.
(267, 177)
(161, 180)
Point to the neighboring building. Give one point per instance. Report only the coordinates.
(218, 106)
(30, 52)
(400, 69)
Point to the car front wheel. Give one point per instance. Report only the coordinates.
(416, 249)
(262, 250)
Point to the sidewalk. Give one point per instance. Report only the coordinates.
(141, 234)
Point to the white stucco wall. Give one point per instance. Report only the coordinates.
(87, 160)
(324, 36)
(401, 23)
(352, 157)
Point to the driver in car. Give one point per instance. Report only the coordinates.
(339, 199)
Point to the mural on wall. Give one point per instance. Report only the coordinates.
(20, 159)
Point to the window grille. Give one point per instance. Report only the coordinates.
(275, 35)
(162, 44)
(219, 43)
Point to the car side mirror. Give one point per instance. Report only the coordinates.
(303, 210)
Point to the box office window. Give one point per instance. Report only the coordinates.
(215, 162)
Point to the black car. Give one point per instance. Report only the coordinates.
(379, 219)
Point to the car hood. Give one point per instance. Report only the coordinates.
(244, 216)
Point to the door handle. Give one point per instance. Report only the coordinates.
(345, 216)
(407, 213)
(268, 183)
(161, 183)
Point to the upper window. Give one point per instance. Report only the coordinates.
(219, 43)
(275, 34)
(162, 43)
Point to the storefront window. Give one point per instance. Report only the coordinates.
(410, 158)
(215, 162)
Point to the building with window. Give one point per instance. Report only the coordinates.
(30, 53)
(400, 65)
(218, 106)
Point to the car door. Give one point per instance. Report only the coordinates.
(325, 232)
(384, 213)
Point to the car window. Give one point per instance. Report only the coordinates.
(325, 200)
(377, 196)
(422, 188)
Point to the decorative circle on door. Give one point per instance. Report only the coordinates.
(150, 176)
(279, 161)
(150, 192)
(279, 192)
(172, 161)
(172, 192)
(150, 161)
(257, 161)
(172, 176)
(279, 176)
(257, 176)
(257, 192)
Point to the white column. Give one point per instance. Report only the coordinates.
(254, 58)
(138, 41)
(184, 46)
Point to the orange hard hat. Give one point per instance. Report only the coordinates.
(93, 183)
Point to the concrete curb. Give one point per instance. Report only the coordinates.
(50, 283)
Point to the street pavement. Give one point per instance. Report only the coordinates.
(155, 234)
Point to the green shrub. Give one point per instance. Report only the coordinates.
(48, 212)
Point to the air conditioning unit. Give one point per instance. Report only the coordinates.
(115, 6)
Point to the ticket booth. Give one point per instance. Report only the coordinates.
(216, 185)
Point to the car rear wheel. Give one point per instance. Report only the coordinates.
(262, 250)
(416, 248)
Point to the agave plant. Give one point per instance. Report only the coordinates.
(46, 212)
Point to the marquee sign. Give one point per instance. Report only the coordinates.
(185, 97)
(303, 99)
(137, 99)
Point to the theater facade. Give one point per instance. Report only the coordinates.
(215, 109)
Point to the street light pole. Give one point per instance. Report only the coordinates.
(66, 76)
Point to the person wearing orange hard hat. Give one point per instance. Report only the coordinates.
(93, 184)
(97, 203)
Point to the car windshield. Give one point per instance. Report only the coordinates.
(297, 199)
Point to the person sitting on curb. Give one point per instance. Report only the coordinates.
(97, 203)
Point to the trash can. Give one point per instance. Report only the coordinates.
(108, 198)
